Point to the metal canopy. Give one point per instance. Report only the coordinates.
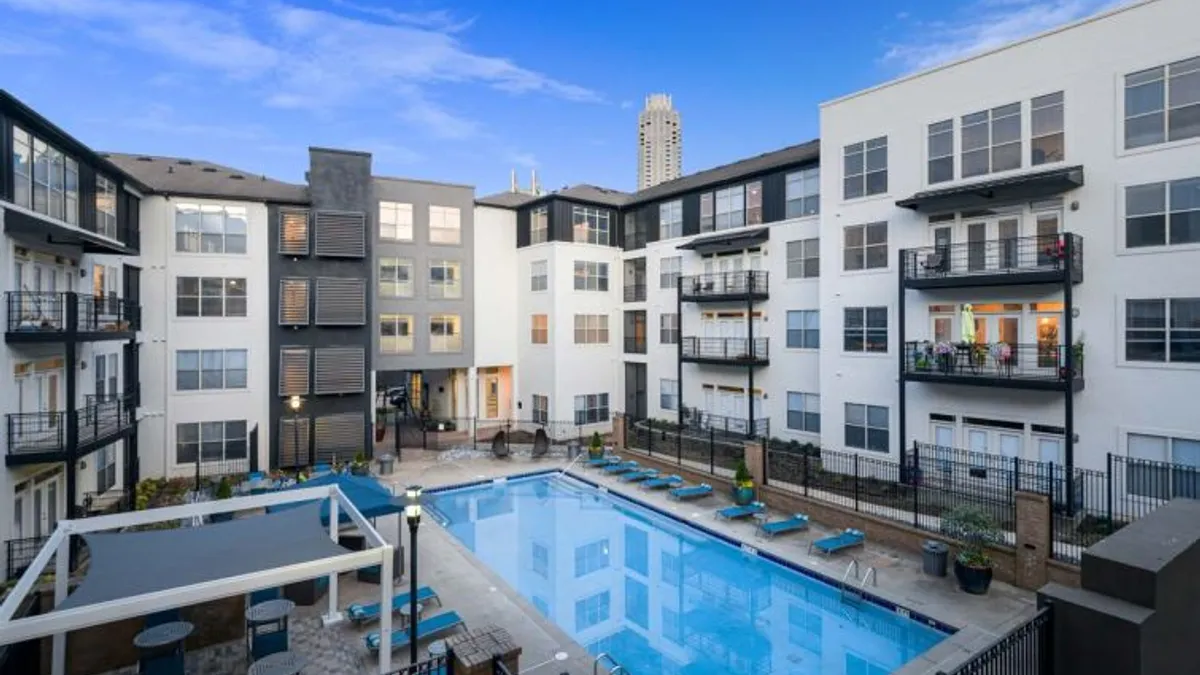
(369, 496)
(996, 192)
(727, 243)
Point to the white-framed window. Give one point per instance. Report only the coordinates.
(668, 328)
(1163, 467)
(865, 247)
(1162, 214)
(804, 258)
(867, 427)
(46, 180)
(590, 225)
(445, 334)
(106, 468)
(210, 441)
(941, 151)
(541, 409)
(706, 212)
(395, 221)
(804, 329)
(1162, 104)
(668, 394)
(395, 333)
(210, 369)
(1047, 142)
(1162, 330)
(445, 281)
(210, 229)
(991, 140)
(539, 275)
(866, 329)
(539, 225)
(106, 206)
(669, 270)
(396, 277)
(591, 276)
(445, 225)
(730, 207)
(670, 220)
(591, 329)
(539, 329)
(865, 168)
(210, 296)
(804, 412)
(591, 409)
(802, 191)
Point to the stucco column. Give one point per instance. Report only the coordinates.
(754, 460)
(472, 392)
(618, 441)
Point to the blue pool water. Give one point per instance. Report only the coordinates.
(664, 597)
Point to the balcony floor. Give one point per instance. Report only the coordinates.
(995, 380)
(720, 361)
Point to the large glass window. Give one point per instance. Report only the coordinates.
(541, 409)
(804, 329)
(1163, 467)
(539, 275)
(210, 441)
(1160, 214)
(866, 247)
(539, 225)
(210, 369)
(396, 277)
(1047, 142)
(804, 259)
(669, 270)
(445, 281)
(804, 412)
(668, 328)
(731, 207)
(210, 296)
(668, 394)
(46, 180)
(210, 229)
(445, 334)
(539, 329)
(395, 221)
(591, 557)
(941, 151)
(591, 329)
(670, 220)
(1162, 104)
(865, 168)
(706, 212)
(106, 211)
(590, 225)
(591, 409)
(867, 427)
(991, 140)
(865, 329)
(592, 610)
(591, 276)
(803, 193)
(395, 333)
(445, 225)
(1163, 330)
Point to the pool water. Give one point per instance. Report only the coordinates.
(664, 597)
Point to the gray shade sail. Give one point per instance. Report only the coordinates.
(128, 564)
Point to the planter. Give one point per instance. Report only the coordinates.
(360, 469)
(221, 517)
(743, 495)
(973, 580)
(380, 432)
(595, 453)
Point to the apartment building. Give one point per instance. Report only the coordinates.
(70, 273)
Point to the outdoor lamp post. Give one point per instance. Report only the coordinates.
(295, 403)
(412, 513)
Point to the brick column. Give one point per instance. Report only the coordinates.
(1032, 540)
(474, 650)
(618, 441)
(754, 460)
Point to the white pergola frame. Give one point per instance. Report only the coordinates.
(59, 623)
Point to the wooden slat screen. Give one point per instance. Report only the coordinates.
(293, 302)
(293, 232)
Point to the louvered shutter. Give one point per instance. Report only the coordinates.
(293, 232)
(341, 234)
(293, 302)
(341, 301)
(293, 442)
(339, 370)
(293, 371)
(340, 436)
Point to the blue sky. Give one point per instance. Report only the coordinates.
(466, 90)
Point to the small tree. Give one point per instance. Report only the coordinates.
(596, 446)
(224, 488)
(741, 475)
(975, 528)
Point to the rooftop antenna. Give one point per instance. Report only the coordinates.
(512, 180)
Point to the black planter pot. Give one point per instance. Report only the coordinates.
(973, 580)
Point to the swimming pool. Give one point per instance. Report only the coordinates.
(662, 596)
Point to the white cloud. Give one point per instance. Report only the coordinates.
(626, 105)
(438, 121)
(160, 118)
(15, 44)
(438, 19)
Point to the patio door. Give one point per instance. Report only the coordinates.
(1048, 341)
(39, 514)
(943, 440)
(1048, 228)
(491, 398)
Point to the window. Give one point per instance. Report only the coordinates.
(991, 140)
(637, 550)
(731, 207)
(1162, 104)
(539, 226)
(539, 329)
(804, 259)
(293, 371)
(106, 206)
(592, 611)
(803, 193)
(539, 275)
(541, 409)
(210, 296)
(590, 225)
(670, 220)
(804, 412)
(1163, 467)
(1160, 214)
(668, 328)
(210, 229)
(669, 270)
(541, 560)
(210, 441)
(395, 221)
(210, 369)
(754, 203)
(865, 169)
(941, 151)
(867, 427)
(444, 333)
(591, 409)
(444, 225)
(444, 281)
(804, 329)
(1163, 330)
(1048, 142)
(591, 329)
(591, 276)
(591, 557)
(706, 212)
(395, 333)
(106, 468)
(866, 247)
(396, 277)
(47, 181)
(668, 394)
(293, 232)
(671, 571)
(637, 599)
(293, 302)
(866, 329)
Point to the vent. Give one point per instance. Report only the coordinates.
(145, 159)
(341, 302)
(293, 302)
(294, 442)
(339, 370)
(208, 169)
(340, 436)
(341, 234)
(185, 162)
(293, 232)
(293, 371)
(236, 176)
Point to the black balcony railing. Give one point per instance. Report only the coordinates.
(19, 553)
(725, 426)
(726, 350)
(635, 292)
(46, 432)
(635, 345)
(42, 314)
(725, 286)
(996, 261)
(1005, 364)
(1024, 650)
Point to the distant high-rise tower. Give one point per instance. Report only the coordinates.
(660, 142)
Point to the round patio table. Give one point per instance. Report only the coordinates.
(163, 635)
(405, 610)
(269, 611)
(437, 648)
(279, 663)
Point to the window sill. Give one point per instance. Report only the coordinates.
(866, 199)
(867, 272)
(802, 350)
(994, 175)
(1158, 250)
(1157, 147)
(801, 280)
(210, 392)
(1156, 365)
(810, 435)
(866, 355)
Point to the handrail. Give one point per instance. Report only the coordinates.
(872, 575)
(616, 667)
(851, 568)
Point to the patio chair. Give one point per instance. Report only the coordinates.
(635, 476)
(690, 492)
(425, 628)
(793, 523)
(266, 644)
(541, 443)
(359, 613)
(623, 467)
(849, 538)
(662, 482)
(263, 595)
(321, 468)
(739, 512)
(604, 461)
(159, 618)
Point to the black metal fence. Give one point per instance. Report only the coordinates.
(993, 361)
(731, 349)
(437, 665)
(1009, 255)
(501, 436)
(1025, 650)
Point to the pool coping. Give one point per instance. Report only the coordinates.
(942, 627)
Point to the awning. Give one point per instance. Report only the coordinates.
(996, 192)
(369, 496)
(727, 242)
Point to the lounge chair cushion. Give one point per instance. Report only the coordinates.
(425, 628)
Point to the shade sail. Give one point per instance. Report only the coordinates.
(369, 496)
(128, 564)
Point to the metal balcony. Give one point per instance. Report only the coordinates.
(1051, 259)
(725, 286)
(725, 351)
(42, 436)
(1017, 366)
(60, 317)
(724, 426)
(635, 292)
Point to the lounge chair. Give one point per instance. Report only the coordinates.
(662, 482)
(623, 467)
(846, 539)
(635, 476)
(321, 468)
(425, 628)
(604, 461)
(691, 492)
(792, 523)
(359, 613)
(738, 512)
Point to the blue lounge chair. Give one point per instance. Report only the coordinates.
(662, 482)
(604, 461)
(838, 542)
(635, 476)
(359, 613)
(425, 628)
(623, 467)
(792, 523)
(691, 492)
(737, 512)
(321, 468)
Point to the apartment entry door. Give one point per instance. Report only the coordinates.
(992, 242)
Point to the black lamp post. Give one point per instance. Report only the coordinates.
(412, 513)
(294, 403)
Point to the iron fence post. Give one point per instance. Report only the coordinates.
(712, 454)
(1016, 475)
(806, 458)
(1108, 497)
(856, 481)
(650, 437)
(764, 461)
(916, 483)
(474, 433)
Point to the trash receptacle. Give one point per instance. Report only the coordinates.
(933, 558)
(572, 450)
(386, 463)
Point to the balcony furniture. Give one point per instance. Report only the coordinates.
(839, 542)
(160, 648)
(936, 264)
(739, 512)
(429, 627)
(691, 492)
(279, 663)
(666, 481)
(405, 615)
(267, 628)
(359, 613)
(793, 523)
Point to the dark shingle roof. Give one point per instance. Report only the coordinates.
(198, 178)
(794, 154)
(506, 200)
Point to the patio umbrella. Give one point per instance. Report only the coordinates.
(968, 324)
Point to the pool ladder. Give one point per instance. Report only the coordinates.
(849, 591)
(614, 668)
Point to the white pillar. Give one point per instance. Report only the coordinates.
(333, 616)
(472, 392)
(62, 576)
(385, 615)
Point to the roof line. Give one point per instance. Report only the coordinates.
(425, 181)
(340, 151)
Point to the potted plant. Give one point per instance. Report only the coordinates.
(596, 446)
(360, 467)
(743, 484)
(975, 529)
(944, 351)
(224, 491)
